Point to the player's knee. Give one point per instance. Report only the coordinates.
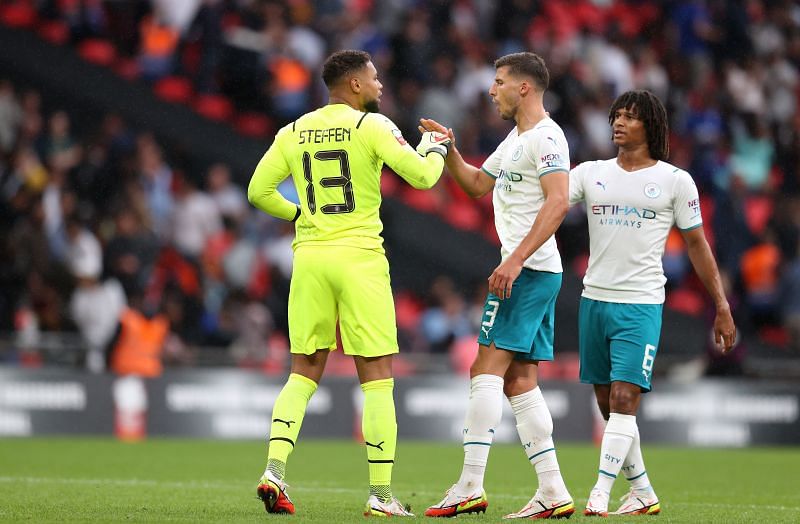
(624, 400)
(518, 385)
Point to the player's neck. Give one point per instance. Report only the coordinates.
(635, 159)
(337, 99)
(528, 116)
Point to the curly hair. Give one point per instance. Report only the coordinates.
(649, 109)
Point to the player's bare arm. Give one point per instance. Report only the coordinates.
(706, 267)
(556, 204)
(472, 180)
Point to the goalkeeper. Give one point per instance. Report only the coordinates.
(335, 155)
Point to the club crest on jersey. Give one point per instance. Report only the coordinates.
(517, 153)
(652, 190)
(399, 136)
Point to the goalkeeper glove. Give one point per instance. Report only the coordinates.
(434, 142)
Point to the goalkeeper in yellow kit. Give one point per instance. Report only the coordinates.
(335, 155)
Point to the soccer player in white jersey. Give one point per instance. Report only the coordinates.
(632, 201)
(529, 176)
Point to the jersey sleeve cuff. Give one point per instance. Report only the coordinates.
(488, 172)
(296, 215)
(691, 227)
(554, 170)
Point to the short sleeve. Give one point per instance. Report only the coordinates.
(576, 179)
(687, 203)
(550, 152)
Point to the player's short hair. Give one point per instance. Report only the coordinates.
(526, 64)
(342, 63)
(651, 112)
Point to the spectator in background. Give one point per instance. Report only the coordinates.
(230, 198)
(157, 45)
(155, 177)
(10, 117)
(195, 219)
(446, 319)
(131, 251)
(95, 306)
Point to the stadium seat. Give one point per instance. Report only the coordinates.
(420, 199)
(174, 89)
(213, 107)
(54, 31)
(97, 51)
(463, 215)
(20, 15)
(127, 68)
(253, 125)
(758, 211)
(389, 182)
(685, 300)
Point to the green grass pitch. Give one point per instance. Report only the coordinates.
(172, 480)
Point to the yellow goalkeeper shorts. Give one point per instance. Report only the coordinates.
(347, 284)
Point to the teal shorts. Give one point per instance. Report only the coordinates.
(618, 342)
(525, 322)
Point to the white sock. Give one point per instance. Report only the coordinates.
(535, 428)
(484, 411)
(633, 466)
(617, 440)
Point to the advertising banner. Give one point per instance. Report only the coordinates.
(236, 404)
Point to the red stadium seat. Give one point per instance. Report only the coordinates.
(254, 125)
(127, 68)
(685, 300)
(463, 215)
(97, 51)
(174, 89)
(21, 15)
(54, 31)
(389, 182)
(758, 211)
(213, 107)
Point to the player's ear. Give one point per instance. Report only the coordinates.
(355, 85)
(524, 88)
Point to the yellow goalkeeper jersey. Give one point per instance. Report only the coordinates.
(335, 155)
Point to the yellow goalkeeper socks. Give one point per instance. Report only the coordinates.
(287, 416)
(379, 427)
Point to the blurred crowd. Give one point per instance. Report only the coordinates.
(102, 223)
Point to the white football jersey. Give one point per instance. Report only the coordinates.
(517, 164)
(630, 215)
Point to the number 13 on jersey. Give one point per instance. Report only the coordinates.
(343, 181)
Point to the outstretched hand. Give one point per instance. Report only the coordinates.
(428, 124)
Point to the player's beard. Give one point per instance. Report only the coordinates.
(372, 106)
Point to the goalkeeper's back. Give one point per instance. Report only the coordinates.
(335, 155)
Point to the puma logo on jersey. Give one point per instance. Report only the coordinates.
(601, 184)
(287, 422)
